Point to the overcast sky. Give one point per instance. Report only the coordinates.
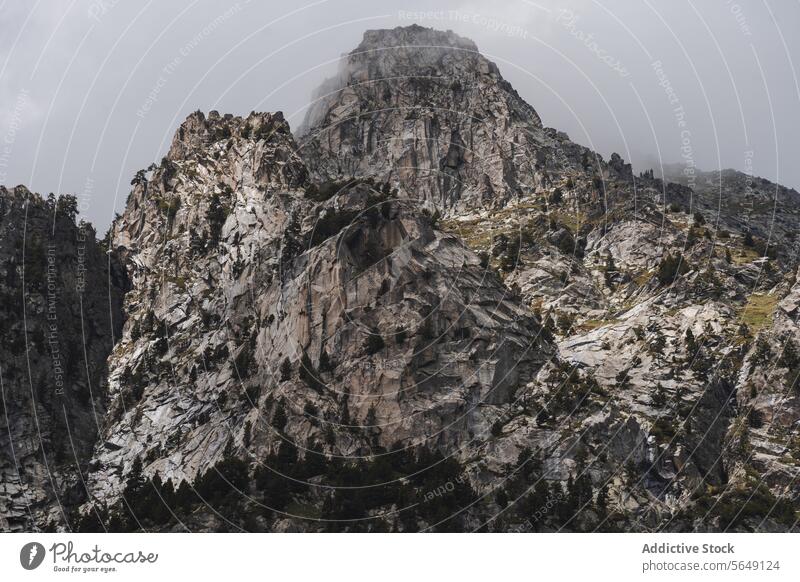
(91, 91)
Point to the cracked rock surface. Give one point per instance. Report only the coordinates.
(426, 311)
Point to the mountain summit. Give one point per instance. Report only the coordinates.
(424, 110)
(428, 312)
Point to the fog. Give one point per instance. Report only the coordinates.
(91, 91)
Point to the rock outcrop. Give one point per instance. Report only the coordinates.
(61, 313)
(430, 312)
(248, 296)
(425, 111)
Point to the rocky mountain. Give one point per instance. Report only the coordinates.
(425, 111)
(431, 312)
(61, 312)
(350, 317)
(745, 202)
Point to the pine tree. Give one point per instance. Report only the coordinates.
(325, 364)
(286, 370)
(185, 497)
(691, 343)
(136, 480)
(659, 396)
(501, 497)
(670, 268)
(374, 343)
(279, 418)
(602, 501)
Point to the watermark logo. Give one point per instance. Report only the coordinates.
(569, 20)
(31, 555)
(492, 24)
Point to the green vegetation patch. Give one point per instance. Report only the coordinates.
(757, 312)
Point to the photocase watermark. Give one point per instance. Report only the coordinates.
(52, 319)
(84, 201)
(569, 20)
(748, 205)
(540, 513)
(65, 558)
(31, 555)
(14, 124)
(168, 70)
(445, 488)
(388, 364)
(687, 151)
(487, 22)
(100, 8)
(739, 17)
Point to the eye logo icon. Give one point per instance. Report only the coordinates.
(31, 555)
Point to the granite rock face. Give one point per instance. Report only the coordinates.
(424, 110)
(746, 203)
(61, 310)
(416, 337)
(430, 312)
(661, 291)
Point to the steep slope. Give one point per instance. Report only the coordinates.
(61, 312)
(265, 314)
(746, 203)
(425, 111)
(657, 290)
(433, 313)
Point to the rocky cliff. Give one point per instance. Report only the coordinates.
(61, 313)
(254, 293)
(430, 312)
(425, 111)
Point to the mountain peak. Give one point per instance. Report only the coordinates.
(198, 132)
(414, 35)
(415, 51)
(424, 110)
